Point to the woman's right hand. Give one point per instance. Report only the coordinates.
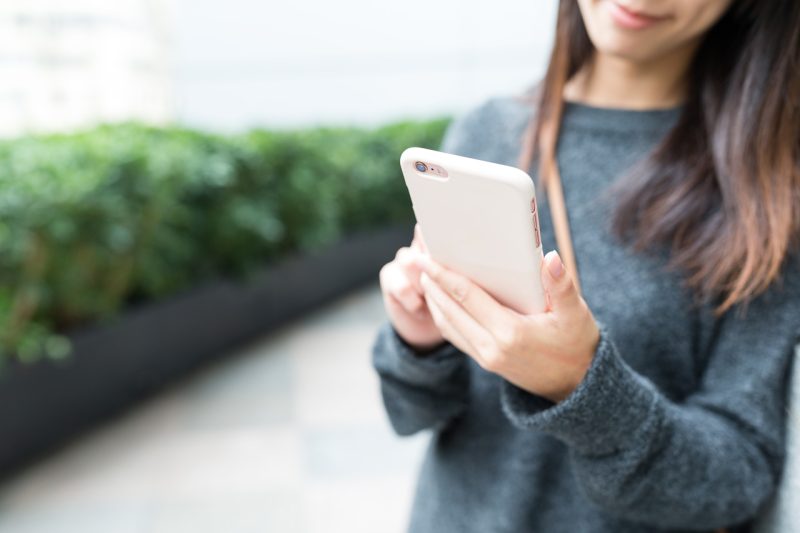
(404, 299)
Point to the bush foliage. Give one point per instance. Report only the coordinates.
(92, 221)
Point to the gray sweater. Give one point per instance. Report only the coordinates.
(678, 424)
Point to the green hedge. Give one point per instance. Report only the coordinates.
(92, 221)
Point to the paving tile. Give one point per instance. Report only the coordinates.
(251, 389)
(116, 518)
(334, 382)
(360, 453)
(216, 464)
(357, 308)
(377, 505)
(286, 435)
(265, 512)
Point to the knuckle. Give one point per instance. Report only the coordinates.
(566, 287)
(460, 290)
(493, 363)
(492, 356)
(407, 257)
(404, 290)
(401, 252)
(559, 289)
(383, 275)
(508, 339)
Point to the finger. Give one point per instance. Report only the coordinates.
(479, 304)
(419, 240)
(399, 287)
(461, 321)
(420, 314)
(447, 330)
(409, 260)
(558, 284)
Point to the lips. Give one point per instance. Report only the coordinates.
(632, 20)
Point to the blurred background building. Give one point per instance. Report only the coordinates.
(229, 65)
(240, 63)
(66, 65)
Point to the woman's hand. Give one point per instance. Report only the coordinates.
(403, 296)
(544, 353)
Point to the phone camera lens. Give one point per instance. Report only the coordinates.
(422, 167)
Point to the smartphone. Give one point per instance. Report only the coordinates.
(479, 219)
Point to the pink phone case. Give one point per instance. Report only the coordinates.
(479, 219)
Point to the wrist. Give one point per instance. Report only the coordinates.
(575, 365)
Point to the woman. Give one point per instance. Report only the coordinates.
(653, 399)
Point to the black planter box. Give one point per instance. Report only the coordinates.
(121, 361)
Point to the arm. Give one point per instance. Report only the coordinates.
(420, 390)
(709, 461)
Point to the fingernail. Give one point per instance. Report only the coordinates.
(554, 265)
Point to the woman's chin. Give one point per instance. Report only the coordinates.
(625, 47)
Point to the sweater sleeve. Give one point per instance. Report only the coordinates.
(420, 391)
(708, 461)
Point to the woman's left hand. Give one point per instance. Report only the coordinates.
(544, 353)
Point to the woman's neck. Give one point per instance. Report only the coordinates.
(607, 81)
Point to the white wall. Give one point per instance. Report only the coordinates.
(67, 65)
(232, 64)
(240, 63)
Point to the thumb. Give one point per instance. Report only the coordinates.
(558, 284)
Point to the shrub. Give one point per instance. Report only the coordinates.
(92, 221)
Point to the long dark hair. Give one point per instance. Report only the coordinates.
(722, 189)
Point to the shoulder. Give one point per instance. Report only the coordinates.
(778, 307)
(490, 131)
